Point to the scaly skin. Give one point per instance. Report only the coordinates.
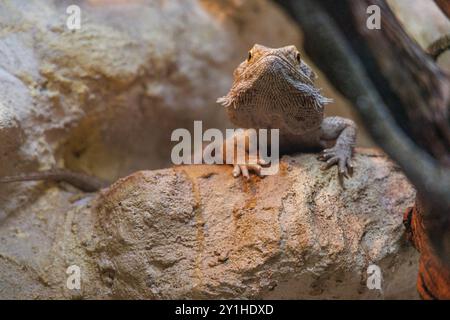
(274, 89)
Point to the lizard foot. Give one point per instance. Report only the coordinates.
(340, 156)
(251, 166)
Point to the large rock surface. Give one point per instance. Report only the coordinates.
(197, 232)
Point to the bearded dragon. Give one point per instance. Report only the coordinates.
(272, 88)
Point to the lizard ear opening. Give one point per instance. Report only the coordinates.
(249, 56)
(298, 57)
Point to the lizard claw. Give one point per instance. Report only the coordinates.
(338, 156)
(245, 169)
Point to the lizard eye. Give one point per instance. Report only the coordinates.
(298, 57)
(249, 56)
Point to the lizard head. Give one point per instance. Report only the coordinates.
(281, 83)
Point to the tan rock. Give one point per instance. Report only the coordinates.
(196, 232)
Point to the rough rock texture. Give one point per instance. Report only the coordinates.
(196, 232)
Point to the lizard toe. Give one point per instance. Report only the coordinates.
(343, 171)
(245, 170)
(330, 162)
(350, 166)
(245, 173)
(236, 171)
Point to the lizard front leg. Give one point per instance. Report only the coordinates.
(344, 132)
(243, 160)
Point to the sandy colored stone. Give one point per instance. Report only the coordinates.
(197, 232)
(294, 235)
